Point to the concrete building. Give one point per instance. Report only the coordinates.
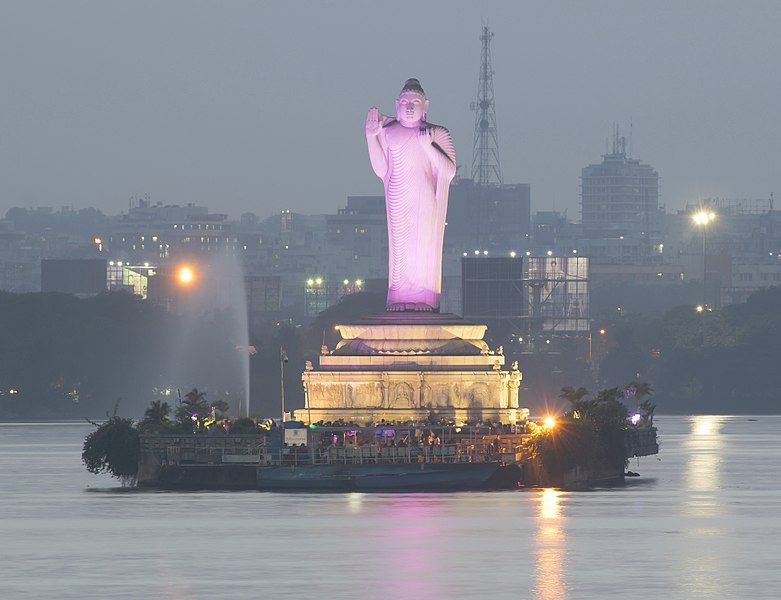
(745, 279)
(361, 229)
(155, 232)
(620, 194)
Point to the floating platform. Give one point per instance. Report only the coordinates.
(404, 477)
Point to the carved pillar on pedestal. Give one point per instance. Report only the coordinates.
(384, 385)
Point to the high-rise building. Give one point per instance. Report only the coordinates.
(361, 228)
(620, 195)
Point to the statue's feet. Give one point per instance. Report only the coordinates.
(410, 307)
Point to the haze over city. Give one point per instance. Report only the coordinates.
(220, 103)
(438, 299)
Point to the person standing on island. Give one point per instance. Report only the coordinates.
(416, 161)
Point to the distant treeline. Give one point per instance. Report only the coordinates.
(721, 361)
(67, 358)
(63, 357)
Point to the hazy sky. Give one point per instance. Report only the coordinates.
(260, 105)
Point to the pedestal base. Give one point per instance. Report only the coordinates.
(403, 367)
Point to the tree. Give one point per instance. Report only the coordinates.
(219, 408)
(193, 409)
(648, 408)
(590, 435)
(575, 397)
(246, 425)
(156, 418)
(113, 448)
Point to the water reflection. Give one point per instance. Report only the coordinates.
(355, 502)
(412, 547)
(704, 451)
(550, 543)
(701, 565)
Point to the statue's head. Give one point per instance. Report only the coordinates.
(411, 105)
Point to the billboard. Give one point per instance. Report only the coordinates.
(492, 287)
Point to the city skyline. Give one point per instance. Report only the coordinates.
(232, 119)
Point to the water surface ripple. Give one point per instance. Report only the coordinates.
(704, 521)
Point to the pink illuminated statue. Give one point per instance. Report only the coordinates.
(416, 162)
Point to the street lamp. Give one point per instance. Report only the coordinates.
(185, 275)
(702, 219)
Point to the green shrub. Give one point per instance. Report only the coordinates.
(113, 448)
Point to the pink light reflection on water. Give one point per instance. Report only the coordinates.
(412, 546)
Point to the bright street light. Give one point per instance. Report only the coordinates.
(185, 275)
(703, 217)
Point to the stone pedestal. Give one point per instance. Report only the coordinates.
(409, 367)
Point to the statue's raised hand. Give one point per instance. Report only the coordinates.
(374, 121)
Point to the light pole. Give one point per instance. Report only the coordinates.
(702, 219)
(282, 361)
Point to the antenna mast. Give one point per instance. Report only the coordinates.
(485, 153)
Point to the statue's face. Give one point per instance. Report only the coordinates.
(411, 108)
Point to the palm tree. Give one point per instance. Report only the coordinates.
(648, 409)
(155, 417)
(574, 396)
(193, 409)
(641, 390)
(219, 408)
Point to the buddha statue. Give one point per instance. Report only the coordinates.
(416, 161)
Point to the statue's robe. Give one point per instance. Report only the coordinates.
(416, 190)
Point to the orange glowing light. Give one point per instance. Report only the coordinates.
(549, 422)
(185, 275)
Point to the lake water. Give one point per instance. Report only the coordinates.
(703, 521)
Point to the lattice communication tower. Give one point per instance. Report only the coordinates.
(486, 169)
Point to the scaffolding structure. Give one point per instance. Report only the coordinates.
(557, 294)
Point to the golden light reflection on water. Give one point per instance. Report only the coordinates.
(355, 502)
(701, 565)
(550, 544)
(549, 507)
(704, 451)
(707, 424)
